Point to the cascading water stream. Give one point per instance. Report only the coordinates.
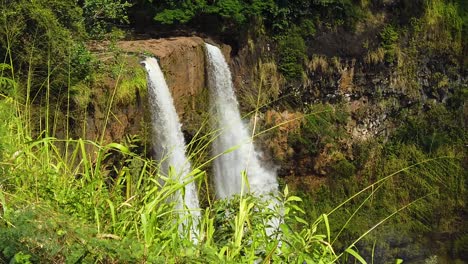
(169, 142)
(234, 142)
(233, 132)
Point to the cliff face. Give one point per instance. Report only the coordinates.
(370, 93)
(327, 128)
(183, 61)
(358, 82)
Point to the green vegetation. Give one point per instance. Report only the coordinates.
(60, 203)
(389, 41)
(292, 51)
(277, 15)
(102, 17)
(323, 125)
(64, 198)
(425, 154)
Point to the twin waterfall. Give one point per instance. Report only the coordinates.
(169, 143)
(232, 134)
(237, 167)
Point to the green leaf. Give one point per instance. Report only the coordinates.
(297, 208)
(300, 220)
(112, 209)
(294, 198)
(327, 225)
(119, 147)
(356, 255)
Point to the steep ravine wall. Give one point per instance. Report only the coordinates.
(372, 95)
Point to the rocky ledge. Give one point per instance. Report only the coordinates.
(183, 61)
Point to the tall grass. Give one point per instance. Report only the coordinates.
(61, 205)
(62, 201)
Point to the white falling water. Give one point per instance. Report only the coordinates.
(233, 133)
(169, 141)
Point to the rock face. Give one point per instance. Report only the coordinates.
(183, 61)
(341, 73)
(372, 93)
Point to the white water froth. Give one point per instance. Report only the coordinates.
(169, 141)
(233, 133)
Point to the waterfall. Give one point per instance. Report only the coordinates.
(233, 138)
(169, 142)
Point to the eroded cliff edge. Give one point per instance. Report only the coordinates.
(183, 61)
(124, 90)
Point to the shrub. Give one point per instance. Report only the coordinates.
(389, 38)
(343, 169)
(432, 129)
(102, 15)
(82, 63)
(307, 28)
(292, 52)
(36, 38)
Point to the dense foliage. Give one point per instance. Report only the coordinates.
(278, 15)
(59, 204)
(290, 22)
